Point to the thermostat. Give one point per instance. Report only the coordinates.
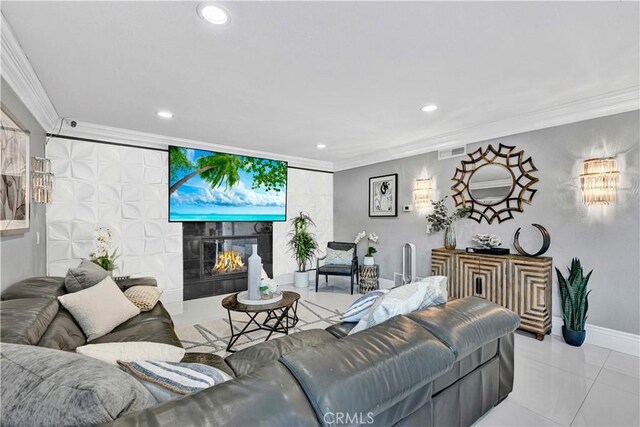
(407, 208)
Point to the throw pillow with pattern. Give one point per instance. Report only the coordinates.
(144, 297)
(336, 257)
(361, 306)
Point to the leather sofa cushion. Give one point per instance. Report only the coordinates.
(125, 284)
(250, 359)
(466, 365)
(209, 359)
(269, 396)
(340, 330)
(157, 314)
(63, 333)
(467, 324)
(36, 287)
(370, 371)
(24, 321)
(160, 332)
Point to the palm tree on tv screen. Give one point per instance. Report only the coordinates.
(219, 169)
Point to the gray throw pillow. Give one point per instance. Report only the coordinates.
(84, 276)
(42, 386)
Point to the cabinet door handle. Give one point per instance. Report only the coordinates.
(478, 285)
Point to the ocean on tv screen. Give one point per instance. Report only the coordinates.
(210, 186)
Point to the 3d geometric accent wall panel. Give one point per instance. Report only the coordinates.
(311, 192)
(123, 189)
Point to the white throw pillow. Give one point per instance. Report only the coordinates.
(128, 351)
(437, 294)
(400, 300)
(100, 308)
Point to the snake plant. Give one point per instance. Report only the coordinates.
(574, 296)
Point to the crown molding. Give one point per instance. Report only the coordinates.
(20, 75)
(619, 101)
(143, 139)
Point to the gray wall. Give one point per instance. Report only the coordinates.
(20, 256)
(604, 238)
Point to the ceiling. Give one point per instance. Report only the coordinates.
(282, 77)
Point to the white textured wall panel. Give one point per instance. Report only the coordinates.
(311, 192)
(123, 189)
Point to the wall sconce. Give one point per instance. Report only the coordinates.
(599, 181)
(422, 193)
(42, 180)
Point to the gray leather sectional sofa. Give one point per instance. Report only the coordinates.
(442, 366)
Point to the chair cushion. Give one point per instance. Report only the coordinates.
(466, 324)
(335, 269)
(24, 321)
(84, 276)
(336, 257)
(252, 358)
(36, 287)
(100, 308)
(46, 387)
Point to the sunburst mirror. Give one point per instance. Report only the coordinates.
(494, 183)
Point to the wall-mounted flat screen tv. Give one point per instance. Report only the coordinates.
(212, 186)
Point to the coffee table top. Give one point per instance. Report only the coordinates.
(231, 303)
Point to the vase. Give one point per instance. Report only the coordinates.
(254, 271)
(301, 279)
(574, 338)
(368, 260)
(450, 238)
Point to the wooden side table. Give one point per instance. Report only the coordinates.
(368, 278)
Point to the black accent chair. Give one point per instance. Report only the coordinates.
(339, 270)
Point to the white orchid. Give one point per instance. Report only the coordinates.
(361, 235)
(102, 256)
(373, 238)
(488, 240)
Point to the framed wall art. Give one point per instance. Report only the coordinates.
(14, 176)
(383, 196)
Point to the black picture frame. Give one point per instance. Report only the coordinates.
(387, 208)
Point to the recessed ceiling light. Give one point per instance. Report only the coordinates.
(321, 146)
(165, 114)
(429, 108)
(213, 13)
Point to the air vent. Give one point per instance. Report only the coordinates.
(452, 152)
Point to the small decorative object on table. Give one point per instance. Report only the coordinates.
(368, 278)
(101, 256)
(440, 220)
(575, 303)
(254, 271)
(372, 238)
(488, 245)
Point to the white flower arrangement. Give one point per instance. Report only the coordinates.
(361, 235)
(373, 238)
(488, 240)
(102, 255)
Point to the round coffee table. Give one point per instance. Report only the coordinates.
(283, 312)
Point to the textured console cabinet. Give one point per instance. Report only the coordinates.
(521, 284)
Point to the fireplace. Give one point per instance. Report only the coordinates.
(216, 254)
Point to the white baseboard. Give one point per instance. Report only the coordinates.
(623, 342)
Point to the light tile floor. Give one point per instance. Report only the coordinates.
(555, 384)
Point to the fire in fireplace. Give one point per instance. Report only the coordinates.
(228, 261)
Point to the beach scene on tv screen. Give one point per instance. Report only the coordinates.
(211, 186)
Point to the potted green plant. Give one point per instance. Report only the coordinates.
(440, 220)
(575, 303)
(372, 239)
(303, 245)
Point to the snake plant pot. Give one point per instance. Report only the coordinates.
(574, 338)
(301, 279)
